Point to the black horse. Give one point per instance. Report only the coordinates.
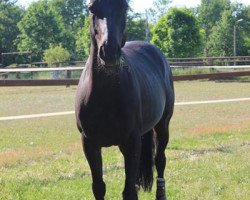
(125, 97)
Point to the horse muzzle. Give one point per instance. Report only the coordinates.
(109, 55)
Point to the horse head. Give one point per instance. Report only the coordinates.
(108, 22)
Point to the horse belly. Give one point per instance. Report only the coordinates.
(151, 114)
(153, 104)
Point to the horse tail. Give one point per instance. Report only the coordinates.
(145, 176)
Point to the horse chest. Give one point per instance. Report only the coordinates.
(103, 119)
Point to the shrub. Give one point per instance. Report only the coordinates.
(55, 55)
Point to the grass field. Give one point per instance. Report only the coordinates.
(208, 153)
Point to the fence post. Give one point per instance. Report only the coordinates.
(31, 75)
(210, 61)
(5, 75)
(68, 76)
(18, 75)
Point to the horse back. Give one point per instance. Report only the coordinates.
(148, 62)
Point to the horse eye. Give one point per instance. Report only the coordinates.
(95, 11)
(91, 8)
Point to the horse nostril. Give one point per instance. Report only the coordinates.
(102, 52)
(109, 54)
(119, 52)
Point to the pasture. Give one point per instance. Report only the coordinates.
(208, 153)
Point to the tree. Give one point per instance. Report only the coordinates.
(10, 15)
(136, 27)
(210, 12)
(39, 28)
(221, 39)
(177, 34)
(242, 13)
(71, 12)
(159, 9)
(51, 22)
(6, 3)
(83, 40)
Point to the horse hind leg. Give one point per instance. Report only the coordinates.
(162, 138)
(94, 158)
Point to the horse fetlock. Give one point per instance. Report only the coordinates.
(161, 189)
(161, 198)
(99, 190)
(130, 195)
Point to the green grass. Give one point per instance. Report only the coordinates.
(32, 100)
(185, 71)
(197, 70)
(208, 153)
(212, 166)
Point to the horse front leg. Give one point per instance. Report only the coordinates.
(94, 157)
(131, 151)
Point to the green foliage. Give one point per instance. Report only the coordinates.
(83, 40)
(242, 29)
(51, 22)
(158, 10)
(10, 14)
(136, 27)
(177, 34)
(71, 12)
(209, 13)
(56, 54)
(221, 39)
(39, 28)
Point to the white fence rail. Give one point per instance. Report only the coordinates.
(16, 70)
(41, 115)
(20, 70)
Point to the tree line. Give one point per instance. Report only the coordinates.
(207, 30)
